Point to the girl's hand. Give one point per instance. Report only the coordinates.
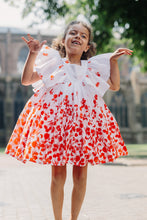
(33, 44)
(119, 52)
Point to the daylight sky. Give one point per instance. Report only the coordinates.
(11, 17)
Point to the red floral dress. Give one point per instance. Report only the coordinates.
(66, 120)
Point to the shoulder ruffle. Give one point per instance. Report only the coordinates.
(46, 63)
(99, 72)
(101, 64)
(47, 57)
(53, 70)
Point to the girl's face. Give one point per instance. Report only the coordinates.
(76, 40)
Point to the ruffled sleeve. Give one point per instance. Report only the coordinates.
(99, 72)
(101, 64)
(46, 63)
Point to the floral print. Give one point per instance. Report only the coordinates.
(66, 120)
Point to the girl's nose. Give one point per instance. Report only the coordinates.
(78, 35)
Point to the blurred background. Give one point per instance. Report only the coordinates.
(115, 24)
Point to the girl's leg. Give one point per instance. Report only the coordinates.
(79, 189)
(57, 190)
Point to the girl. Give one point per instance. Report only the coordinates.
(66, 120)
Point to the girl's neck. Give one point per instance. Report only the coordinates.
(74, 59)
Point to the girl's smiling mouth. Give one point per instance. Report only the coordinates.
(76, 42)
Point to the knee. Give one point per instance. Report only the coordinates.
(79, 176)
(58, 176)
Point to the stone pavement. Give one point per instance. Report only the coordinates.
(114, 192)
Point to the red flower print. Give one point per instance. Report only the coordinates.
(46, 135)
(30, 104)
(60, 66)
(46, 128)
(97, 84)
(45, 106)
(81, 115)
(45, 118)
(77, 158)
(124, 148)
(104, 149)
(87, 131)
(60, 125)
(94, 102)
(96, 159)
(60, 93)
(98, 74)
(51, 91)
(34, 143)
(52, 77)
(81, 125)
(61, 111)
(45, 54)
(51, 111)
(55, 96)
(83, 101)
(110, 158)
(60, 138)
(96, 96)
(35, 94)
(58, 128)
(93, 111)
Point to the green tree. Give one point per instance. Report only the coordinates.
(127, 18)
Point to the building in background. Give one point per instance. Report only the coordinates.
(129, 105)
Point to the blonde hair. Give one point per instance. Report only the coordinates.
(58, 45)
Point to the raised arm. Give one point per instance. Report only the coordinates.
(28, 75)
(114, 80)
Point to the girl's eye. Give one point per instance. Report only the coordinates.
(73, 32)
(83, 36)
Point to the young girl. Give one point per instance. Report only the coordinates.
(66, 120)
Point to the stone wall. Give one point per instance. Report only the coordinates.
(129, 105)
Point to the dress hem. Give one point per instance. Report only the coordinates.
(68, 162)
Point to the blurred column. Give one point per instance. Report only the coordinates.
(8, 53)
(8, 107)
(39, 36)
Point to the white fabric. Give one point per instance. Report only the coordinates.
(54, 70)
(67, 120)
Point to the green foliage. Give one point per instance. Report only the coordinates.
(2, 149)
(127, 17)
(46, 9)
(137, 151)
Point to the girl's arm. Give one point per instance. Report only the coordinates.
(114, 79)
(28, 75)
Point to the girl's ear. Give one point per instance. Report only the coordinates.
(63, 41)
(87, 48)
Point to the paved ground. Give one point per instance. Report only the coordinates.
(114, 192)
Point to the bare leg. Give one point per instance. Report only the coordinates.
(79, 189)
(57, 190)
